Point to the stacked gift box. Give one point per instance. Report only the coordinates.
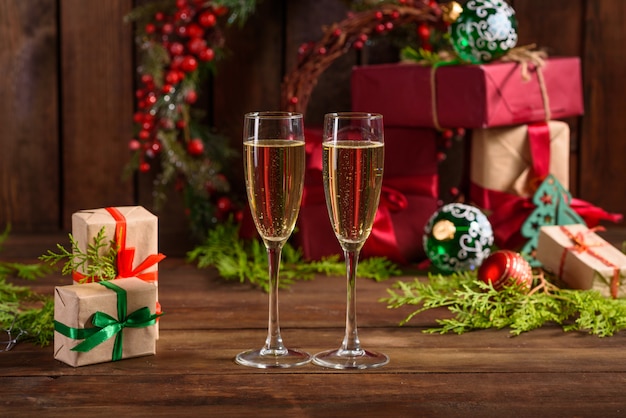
(496, 101)
(514, 111)
(108, 319)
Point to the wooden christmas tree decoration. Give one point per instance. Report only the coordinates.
(553, 203)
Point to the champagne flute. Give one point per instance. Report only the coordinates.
(353, 156)
(274, 159)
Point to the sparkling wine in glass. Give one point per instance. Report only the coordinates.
(274, 162)
(353, 160)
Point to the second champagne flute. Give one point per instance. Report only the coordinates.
(352, 160)
(274, 159)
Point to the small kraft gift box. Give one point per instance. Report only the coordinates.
(104, 321)
(582, 259)
(507, 166)
(135, 232)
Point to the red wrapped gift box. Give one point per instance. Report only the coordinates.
(408, 199)
(468, 96)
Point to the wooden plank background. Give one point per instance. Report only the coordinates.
(67, 89)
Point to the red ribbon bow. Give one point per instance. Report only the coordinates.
(126, 255)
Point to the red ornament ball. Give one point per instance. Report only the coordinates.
(505, 268)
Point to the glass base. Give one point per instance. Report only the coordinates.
(266, 359)
(350, 359)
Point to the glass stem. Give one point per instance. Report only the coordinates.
(274, 341)
(351, 339)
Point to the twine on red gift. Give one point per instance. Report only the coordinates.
(580, 246)
(433, 97)
(525, 56)
(126, 255)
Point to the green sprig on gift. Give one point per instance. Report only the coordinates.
(98, 262)
(246, 260)
(24, 314)
(475, 305)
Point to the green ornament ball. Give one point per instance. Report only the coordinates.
(457, 237)
(485, 30)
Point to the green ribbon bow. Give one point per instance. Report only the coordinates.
(105, 326)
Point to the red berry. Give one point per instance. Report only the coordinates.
(378, 15)
(423, 31)
(389, 25)
(224, 204)
(144, 167)
(144, 134)
(337, 32)
(176, 48)
(189, 64)
(195, 147)
(159, 16)
(167, 28)
(447, 134)
(181, 4)
(196, 45)
(167, 88)
(293, 100)
(134, 145)
(138, 117)
(358, 45)
(181, 123)
(206, 55)
(195, 31)
(380, 28)
(207, 19)
(156, 147)
(191, 96)
(172, 77)
(221, 10)
(150, 28)
(322, 51)
(147, 79)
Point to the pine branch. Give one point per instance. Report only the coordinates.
(476, 305)
(246, 260)
(98, 261)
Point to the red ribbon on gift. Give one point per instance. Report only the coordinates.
(126, 255)
(510, 210)
(580, 246)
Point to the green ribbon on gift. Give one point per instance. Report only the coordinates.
(105, 326)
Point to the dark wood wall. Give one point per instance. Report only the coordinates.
(67, 96)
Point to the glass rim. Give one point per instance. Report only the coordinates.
(354, 115)
(274, 114)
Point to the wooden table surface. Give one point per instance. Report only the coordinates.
(544, 373)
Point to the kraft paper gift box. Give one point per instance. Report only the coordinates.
(515, 159)
(468, 96)
(122, 309)
(133, 228)
(507, 165)
(582, 259)
(408, 199)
